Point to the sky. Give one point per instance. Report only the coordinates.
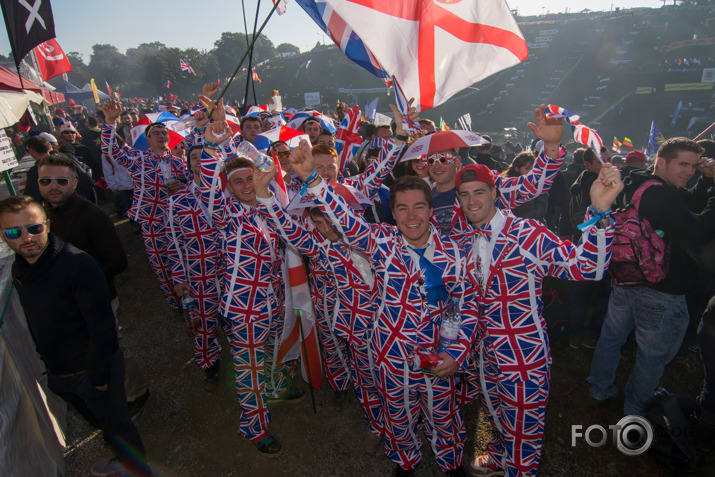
(79, 24)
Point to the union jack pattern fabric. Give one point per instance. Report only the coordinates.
(185, 67)
(150, 200)
(403, 105)
(508, 304)
(342, 297)
(252, 300)
(403, 322)
(347, 140)
(514, 191)
(195, 258)
(582, 134)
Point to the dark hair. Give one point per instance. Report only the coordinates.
(316, 212)
(193, 148)
(426, 121)
(275, 144)
(709, 146)
(18, 203)
(485, 147)
(250, 118)
(92, 121)
(589, 156)
(519, 161)
(39, 144)
(578, 155)
(673, 146)
(153, 125)
(125, 113)
(325, 132)
(236, 163)
(57, 159)
(310, 120)
(406, 183)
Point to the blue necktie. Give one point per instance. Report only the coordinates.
(436, 291)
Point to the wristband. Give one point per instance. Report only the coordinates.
(199, 130)
(597, 216)
(210, 144)
(311, 178)
(402, 137)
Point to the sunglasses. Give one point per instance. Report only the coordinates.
(16, 232)
(434, 158)
(282, 153)
(60, 181)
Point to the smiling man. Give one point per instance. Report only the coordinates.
(658, 312)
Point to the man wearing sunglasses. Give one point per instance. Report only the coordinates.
(66, 303)
(156, 175)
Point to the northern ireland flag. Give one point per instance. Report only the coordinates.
(436, 48)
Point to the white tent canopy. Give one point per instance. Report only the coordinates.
(13, 105)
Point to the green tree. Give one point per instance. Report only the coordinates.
(107, 64)
(287, 48)
(231, 47)
(79, 74)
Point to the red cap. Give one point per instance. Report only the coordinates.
(483, 175)
(635, 156)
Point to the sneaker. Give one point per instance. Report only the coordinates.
(137, 405)
(372, 443)
(400, 472)
(484, 466)
(589, 343)
(600, 403)
(107, 468)
(292, 395)
(269, 446)
(340, 399)
(211, 377)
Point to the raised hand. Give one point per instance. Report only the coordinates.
(707, 166)
(217, 132)
(201, 119)
(301, 158)
(606, 188)
(209, 89)
(261, 181)
(111, 110)
(548, 130)
(218, 110)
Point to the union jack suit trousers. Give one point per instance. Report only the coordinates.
(405, 321)
(252, 301)
(342, 289)
(195, 258)
(149, 172)
(512, 359)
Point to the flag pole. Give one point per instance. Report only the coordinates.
(305, 356)
(702, 134)
(249, 73)
(223, 92)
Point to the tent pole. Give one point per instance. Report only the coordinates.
(8, 181)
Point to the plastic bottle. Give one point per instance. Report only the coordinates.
(188, 304)
(248, 151)
(450, 326)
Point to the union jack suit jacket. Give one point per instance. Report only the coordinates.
(252, 255)
(150, 196)
(509, 306)
(195, 248)
(342, 287)
(404, 320)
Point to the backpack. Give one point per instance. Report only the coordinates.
(672, 417)
(640, 257)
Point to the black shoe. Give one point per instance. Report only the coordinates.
(340, 399)
(269, 446)
(600, 403)
(212, 377)
(400, 472)
(137, 405)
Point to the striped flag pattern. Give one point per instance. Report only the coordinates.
(465, 122)
(582, 134)
(185, 67)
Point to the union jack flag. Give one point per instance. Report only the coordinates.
(582, 134)
(343, 36)
(185, 67)
(404, 106)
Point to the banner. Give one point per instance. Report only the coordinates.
(7, 153)
(708, 75)
(51, 60)
(688, 86)
(312, 99)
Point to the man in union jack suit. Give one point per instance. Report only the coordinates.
(253, 295)
(197, 267)
(418, 274)
(507, 259)
(156, 175)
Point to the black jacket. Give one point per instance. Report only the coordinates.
(89, 228)
(67, 308)
(670, 209)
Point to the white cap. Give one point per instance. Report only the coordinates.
(48, 137)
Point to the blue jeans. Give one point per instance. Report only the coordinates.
(660, 321)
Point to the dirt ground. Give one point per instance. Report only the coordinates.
(188, 432)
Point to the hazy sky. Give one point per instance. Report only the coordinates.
(79, 24)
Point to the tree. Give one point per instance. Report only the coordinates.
(107, 64)
(79, 74)
(287, 48)
(231, 47)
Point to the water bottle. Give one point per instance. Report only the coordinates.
(451, 323)
(188, 304)
(260, 160)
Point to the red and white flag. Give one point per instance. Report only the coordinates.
(281, 8)
(436, 48)
(51, 60)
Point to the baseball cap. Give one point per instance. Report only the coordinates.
(67, 127)
(635, 156)
(48, 137)
(474, 173)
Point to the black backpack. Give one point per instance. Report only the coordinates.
(673, 419)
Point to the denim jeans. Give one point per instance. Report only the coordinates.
(660, 321)
(706, 342)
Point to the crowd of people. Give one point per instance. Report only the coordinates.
(472, 232)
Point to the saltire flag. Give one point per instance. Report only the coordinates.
(51, 60)
(299, 313)
(370, 110)
(582, 134)
(409, 126)
(616, 145)
(343, 36)
(465, 122)
(290, 136)
(185, 67)
(436, 49)
(255, 76)
(676, 114)
(281, 8)
(442, 125)
(347, 140)
(27, 25)
(168, 84)
(656, 138)
(627, 142)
